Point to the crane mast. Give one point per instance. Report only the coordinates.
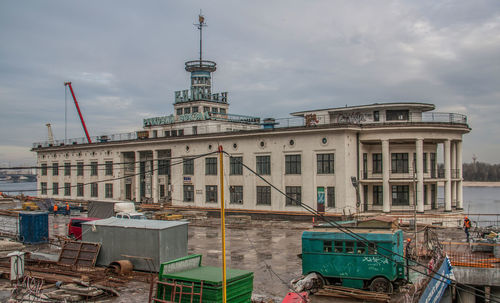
(78, 109)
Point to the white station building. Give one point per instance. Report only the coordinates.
(369, 158)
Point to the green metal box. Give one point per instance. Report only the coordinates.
(188, 271)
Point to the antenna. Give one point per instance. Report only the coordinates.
(200, 25)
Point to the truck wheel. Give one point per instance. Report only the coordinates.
(381, 284)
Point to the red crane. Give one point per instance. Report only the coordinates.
(79, 112)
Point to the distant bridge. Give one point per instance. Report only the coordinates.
(18, 177)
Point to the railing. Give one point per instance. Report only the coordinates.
(284, 123)
(395, 174)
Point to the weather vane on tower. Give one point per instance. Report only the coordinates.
(200, 25)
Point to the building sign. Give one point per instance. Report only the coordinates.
(173, 119)
(436, 287)
(187, 180)
(351, 118)
(321, 195)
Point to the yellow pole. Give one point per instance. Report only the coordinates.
(223, 225)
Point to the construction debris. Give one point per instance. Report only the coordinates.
(346, 292)
(79, 253)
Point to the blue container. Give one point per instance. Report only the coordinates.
(34, 227)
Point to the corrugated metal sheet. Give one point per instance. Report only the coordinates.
(34, 227)
(161, 241)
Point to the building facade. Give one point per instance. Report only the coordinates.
(377, 157)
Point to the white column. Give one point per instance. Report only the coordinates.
(460, 196)
(447, 175)
(386, 189)
(137, 175)
(155, 176)
(453, 174)
(420, 174)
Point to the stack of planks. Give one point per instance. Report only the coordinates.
(346, 292)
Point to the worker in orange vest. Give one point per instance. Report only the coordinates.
(55, 209)
(467, 227)
(68, 211)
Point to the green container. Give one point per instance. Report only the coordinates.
(188, 271)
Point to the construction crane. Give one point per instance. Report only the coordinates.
(50, 134)
(79, 112)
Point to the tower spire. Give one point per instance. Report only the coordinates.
(200, 25)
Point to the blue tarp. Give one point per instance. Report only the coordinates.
(436, 287)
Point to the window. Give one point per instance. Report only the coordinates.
(188, 166)
(222, 110)
(93, 168)
(349, 247)
(195, 130)
(67, 189)
(187, 110)
(264, 165)
(79, 189)
(360, 248)
(174, 133)
(188, 193)
(43, 188)
(179, 111)
(164, 167)
(264, 195)
(236, 194)
(195, 109)
(109, 168)
(180, 132)
(44, 169)
(236, 166)
(327, 246)
(372, 248)
(55, 169)
(94, 190)
(55, 188)
(376, 116)
(79, 168)
(206, 109)
(330, 197)
(378, 196)
(396, 115)
(294, 194)
(425, 162)
(400, 195)
(211, 193)
(426, 200)
(292, 164)
(325, 163)
(377, 163)
(67, 169)
(339, 247)
(211, 166)
(108, 190)
(215, 110)
(399, 162)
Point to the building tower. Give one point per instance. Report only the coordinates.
(200, 93)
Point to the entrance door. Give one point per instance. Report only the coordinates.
(321, 199)
(128, 191)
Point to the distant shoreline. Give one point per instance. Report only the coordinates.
(480, 184)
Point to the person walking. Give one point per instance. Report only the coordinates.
(56, 208)
(467, 227)
(68, 210)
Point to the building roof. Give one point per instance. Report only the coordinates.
(136, 223)
(415, 105)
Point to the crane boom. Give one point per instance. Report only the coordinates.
(79, 112)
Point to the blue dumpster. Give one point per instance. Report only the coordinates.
(34, 227)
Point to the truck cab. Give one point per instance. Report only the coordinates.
(75, 226)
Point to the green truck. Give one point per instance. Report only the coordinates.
(339, 258)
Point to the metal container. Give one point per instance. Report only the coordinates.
(146, 243)
(34, 227)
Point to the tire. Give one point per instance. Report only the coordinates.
(381, 284)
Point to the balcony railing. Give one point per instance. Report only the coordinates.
(408, 175)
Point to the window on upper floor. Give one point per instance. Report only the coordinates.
(377, 163)
(67, 169)
(236, 166)
(211, 166)
(397, 115)
(325, 163)
(179, 111)
(44, 169)
(263, 165)
(292, 164)
(187, 110)
(376, 116)
(399, 162)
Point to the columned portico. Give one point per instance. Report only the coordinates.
(447, 175)
(386, 190)
(420, 174)
(137, 176)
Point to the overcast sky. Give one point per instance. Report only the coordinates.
(126, 59)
